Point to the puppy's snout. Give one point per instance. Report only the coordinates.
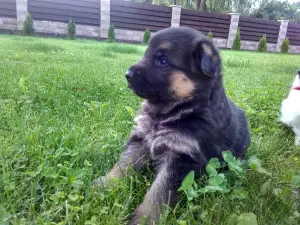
(129, 74)
(132, 72)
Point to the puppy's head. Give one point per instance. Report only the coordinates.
(180, 63)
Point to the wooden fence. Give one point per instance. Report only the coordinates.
(85, 12)
(131, 19)
(137, 16)
(252, 29)
(293, 34)
(8, 8)
(205, 22)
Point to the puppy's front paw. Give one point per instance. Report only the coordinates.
(141, 217)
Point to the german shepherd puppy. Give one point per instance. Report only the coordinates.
(185, 119)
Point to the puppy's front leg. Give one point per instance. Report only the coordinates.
(135, 153)
(168, 179)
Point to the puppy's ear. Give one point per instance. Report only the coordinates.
(207, 58)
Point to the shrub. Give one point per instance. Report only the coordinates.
(236, 45)
(262, 44)
(71, 30)
(210, 35)
(284, 48)
(111, 33)
(147, 36)
(28, 28)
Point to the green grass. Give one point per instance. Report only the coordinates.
(64, 120)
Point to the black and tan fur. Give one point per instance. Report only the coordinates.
(186, 118)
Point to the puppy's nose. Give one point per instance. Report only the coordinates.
(129, 74)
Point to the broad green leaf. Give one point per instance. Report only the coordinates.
(233, 164)
(265, 188)
(228, 157)
(239, 193)
(181, 222)
(264, 171)
(4, 215)
(234, 167)
(247, 219)
(214, 162)
(188, 181)
(277, 191)
(77, 184)
(211, 170)
(232, 219)
(254, 163)
(224, 188)
(216, 180)
(195, 185)
(212, 165)
(191, 192)
(296, 181)
(203, 190)
(73, 197)
(213, 188)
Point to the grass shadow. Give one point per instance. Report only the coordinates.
(40, 47)
(122, 49)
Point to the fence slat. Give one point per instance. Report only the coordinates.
(8, 8)
(218, 24)
(252, 29)
(86, 12)
(139, 16)
(150, 7)
(293, 33)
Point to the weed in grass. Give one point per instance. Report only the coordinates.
(65, 117)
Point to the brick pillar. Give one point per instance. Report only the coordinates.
(282, 33)
(21, 12)
(176, 12)
(104, 17)
(234, 23)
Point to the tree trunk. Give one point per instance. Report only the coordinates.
(201, 5)
(198, 4)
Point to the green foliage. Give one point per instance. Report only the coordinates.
(217, 182)
(262, 44)
(278, 10)
(236, 45)
(71, 30)
(111, 33)
(268, 9)
(28, 28)
(210, 35)
(284, 48)
(242, 219)
(147, 36)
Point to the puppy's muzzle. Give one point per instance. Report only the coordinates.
(129, 74)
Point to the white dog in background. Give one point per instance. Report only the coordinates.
(290, 109)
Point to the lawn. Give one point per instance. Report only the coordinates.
(66, 112)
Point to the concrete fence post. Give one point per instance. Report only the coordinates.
(21, 13)
(282, 33)
(234, 23)
(176, 13)
(104, 17)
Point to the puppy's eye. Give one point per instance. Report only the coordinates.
(161, 61)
